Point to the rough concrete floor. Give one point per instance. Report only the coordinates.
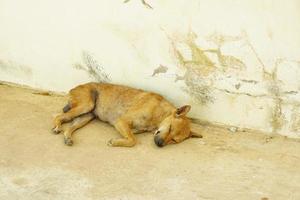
(36, 165)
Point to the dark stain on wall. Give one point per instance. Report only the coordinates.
(295, 122)
(15, 69)
(92, 67)
(147, 5)
(200, 69)
(220, 39)
(199, 60)
(196, 69)
(277, 118)
(249, 81)
(200, 72)
(196, 86)
(227, 61)
(160, 69)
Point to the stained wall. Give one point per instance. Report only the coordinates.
(236, 62)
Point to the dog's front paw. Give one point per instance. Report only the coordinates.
(68, 141)
(56, 130)
(120, 142)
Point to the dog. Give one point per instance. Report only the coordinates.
(129, 110)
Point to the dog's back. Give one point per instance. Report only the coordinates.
(143, 109)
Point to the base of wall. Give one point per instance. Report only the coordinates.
(204, 123)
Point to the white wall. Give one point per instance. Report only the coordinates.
(236, 62)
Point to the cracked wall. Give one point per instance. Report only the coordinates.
(224, 67)
(236, 63)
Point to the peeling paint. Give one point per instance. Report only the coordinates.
(201, 72)
(226, 61)
(201, 60)
(160, 69)
(92, 67)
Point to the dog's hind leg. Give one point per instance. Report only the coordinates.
(77, 123)
(67, 108)
(83, 100)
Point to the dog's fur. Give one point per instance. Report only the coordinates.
(129, 110)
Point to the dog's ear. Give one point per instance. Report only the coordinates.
(195, 135)
(182, 110)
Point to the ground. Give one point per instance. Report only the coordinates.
(36, 165)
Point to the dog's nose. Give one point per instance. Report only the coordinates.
(158, 141)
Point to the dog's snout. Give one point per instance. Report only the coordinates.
(158, 141)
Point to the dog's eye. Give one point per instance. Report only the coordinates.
(156, 132)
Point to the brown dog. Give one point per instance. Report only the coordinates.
(129, 110)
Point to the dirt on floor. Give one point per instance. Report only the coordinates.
(225, 164)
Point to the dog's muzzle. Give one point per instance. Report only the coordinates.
(159, 141)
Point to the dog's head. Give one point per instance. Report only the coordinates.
(175, 128)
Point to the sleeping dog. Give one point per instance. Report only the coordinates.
(129, 110)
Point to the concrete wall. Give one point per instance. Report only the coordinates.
(236, 62)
